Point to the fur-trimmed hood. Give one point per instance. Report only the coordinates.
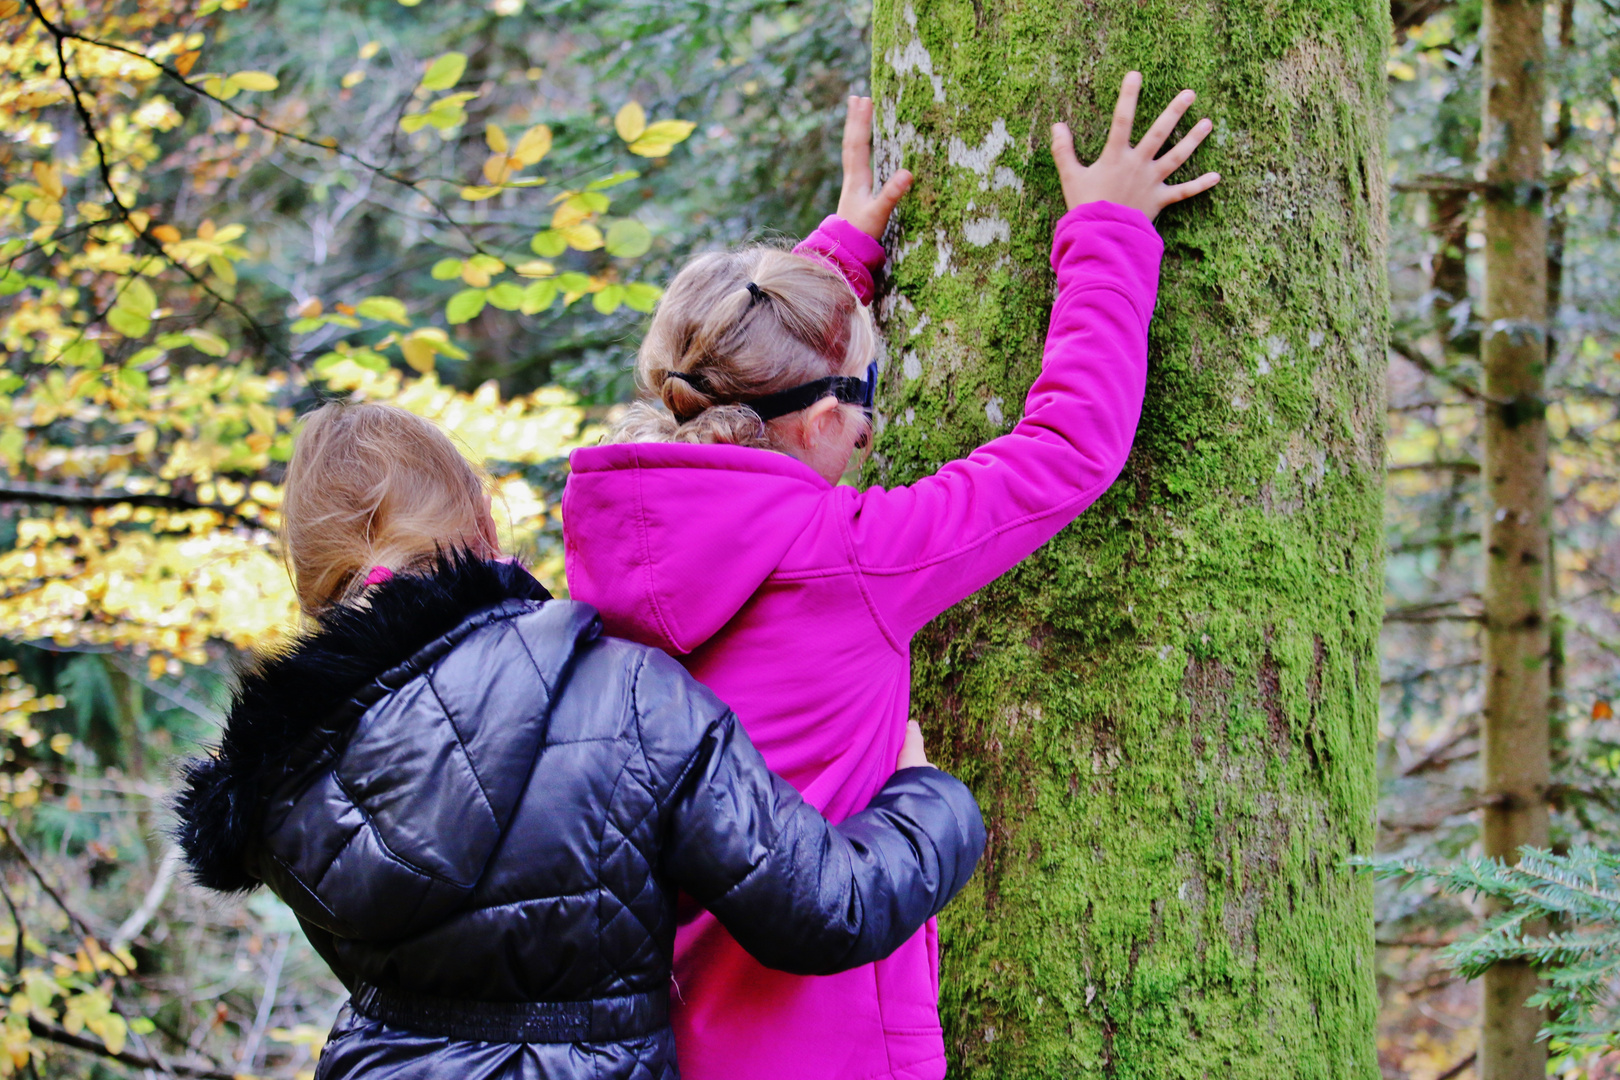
(294, 701)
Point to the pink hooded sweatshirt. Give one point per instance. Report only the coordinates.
(796, 602)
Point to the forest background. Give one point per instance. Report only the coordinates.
(232, 208)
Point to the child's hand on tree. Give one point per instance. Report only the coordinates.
(1123, 174)
(912, 753)
(857, 204)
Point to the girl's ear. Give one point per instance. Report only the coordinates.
(822, 422)
(486, 525)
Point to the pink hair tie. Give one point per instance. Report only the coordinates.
(378, 575)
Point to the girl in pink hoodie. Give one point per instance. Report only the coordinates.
(712, 526)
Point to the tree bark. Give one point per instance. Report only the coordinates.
(1517, 510)
(1170, 712)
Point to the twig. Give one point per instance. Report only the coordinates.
(61, 38)
(1436, 758)
(173, 697)
(1431, 617)
(132, 926)
(141, 1061)
(267, 1003)
(331, 147)
(16, 921)
(1459, 1068)
(39, 876)
(1411, 355)
(23, 491)
(1436, 466)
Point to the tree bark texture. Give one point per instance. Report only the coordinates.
(1170, 712)
(1517, 508)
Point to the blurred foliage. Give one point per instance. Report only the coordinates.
(216, 214)
(1432, 691)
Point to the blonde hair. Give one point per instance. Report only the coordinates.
(803, 324)
(374, 485)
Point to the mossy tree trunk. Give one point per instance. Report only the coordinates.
(1170, 712)
(1517, 508)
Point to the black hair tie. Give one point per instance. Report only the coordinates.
(691, 378)
(756, 294)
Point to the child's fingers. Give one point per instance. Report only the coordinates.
(1119, 132)
(1063, 151)
(1174, 193)
(1166, 123)
(1179, 153)
(857, 150)
(895, 187)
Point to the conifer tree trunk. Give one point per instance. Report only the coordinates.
(1517, 542)
(1170, 712)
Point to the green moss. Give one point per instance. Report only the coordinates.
(1169, 713)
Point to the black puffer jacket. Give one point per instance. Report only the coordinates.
(481, 811)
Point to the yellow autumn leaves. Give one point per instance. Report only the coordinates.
(507, 159)
(654, 140)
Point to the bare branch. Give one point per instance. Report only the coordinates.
(326, 145)
(39, 876)
(21, 491)
(61, 37)
(1436, 466)
(63, 1037)
(1411, 354)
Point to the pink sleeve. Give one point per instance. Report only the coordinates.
(850, 251)
(924, 547)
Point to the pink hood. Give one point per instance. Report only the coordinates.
(670, 563)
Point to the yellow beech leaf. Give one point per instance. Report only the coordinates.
(419, 353)
(535, 268)
(49, 178)
(498, 169)
(445, 71)
(477, 194)
(352, 79)
(661, 138)
(369, 49)
(186, 61)
(573, 211)
(495, 137)
(166, 234)
(584, 237)
(630, 121)
(254, 80)
(36, 99)
(474, 274)
(534, 145)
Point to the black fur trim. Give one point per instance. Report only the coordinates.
(283, 700)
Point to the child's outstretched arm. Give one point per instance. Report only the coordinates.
(849, 238)
(925, 547)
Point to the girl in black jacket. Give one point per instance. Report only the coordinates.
(481, 809)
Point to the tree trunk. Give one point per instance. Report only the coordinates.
(1170, 712)
(1517, 543)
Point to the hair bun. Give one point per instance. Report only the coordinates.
(685, 394)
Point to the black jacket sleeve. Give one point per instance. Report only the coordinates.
(802, 895)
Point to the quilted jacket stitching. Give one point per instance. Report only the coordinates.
(383, 844)
(461, 744)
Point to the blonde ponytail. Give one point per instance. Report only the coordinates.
(740, 325)
(373, 485)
